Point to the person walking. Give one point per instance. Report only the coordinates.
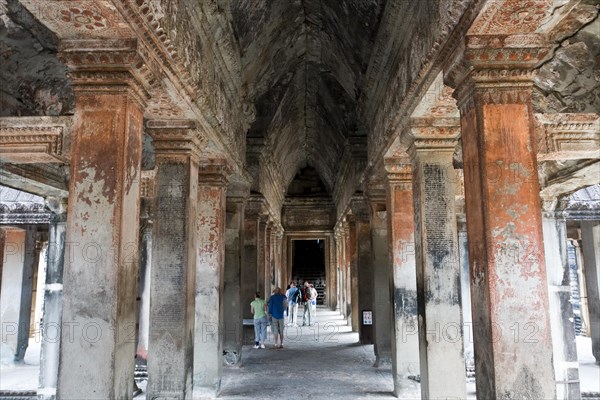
(312, 294)
(277, 303)
(259, 309)
(293, 295)
(310, 304)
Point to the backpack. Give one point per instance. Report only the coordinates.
(305, 295)
(297, 296)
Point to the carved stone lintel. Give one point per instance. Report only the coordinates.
(25, 140)
(568, 136)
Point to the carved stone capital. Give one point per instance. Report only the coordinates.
(107, 66)
(213, 173)
(438, 137)
(399, 175)
(176, 137)
(25, 140)
(496, 68)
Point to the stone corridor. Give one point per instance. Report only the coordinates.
(432, 167)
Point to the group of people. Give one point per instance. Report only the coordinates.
(306, 296)
(274, 311)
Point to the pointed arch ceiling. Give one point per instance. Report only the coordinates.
(302, 63)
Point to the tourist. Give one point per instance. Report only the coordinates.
(277, 303)
(293, 295)
(259, 309)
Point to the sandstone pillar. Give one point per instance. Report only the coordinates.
(353, 276)
(177, 148)
(332, 276)
(250, 257)
(365, 267)
(339, 243)
(261, 250)
(281, 270)
(17, 288)
(438, 267)
(145, 279)
(403, 277)
(513, 345)
(267, 270)
(100, 275)
(232, 306)
(382, 313)
(465, 290)
(350, 320)
(590, 243)
(566, 366)
(53, 294)
(210, 237)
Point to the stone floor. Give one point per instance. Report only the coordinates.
(318, 362)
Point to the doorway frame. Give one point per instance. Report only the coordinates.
(330, 264)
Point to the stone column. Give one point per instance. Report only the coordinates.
(210, 237)
(465, 289)
(513, 345)
(250, 257)
(53, 293)
(338, 261)
(566, 366)
(177, 148)
(382, 312)
(101, 266)
(360, 210)
(347, 272)
(17, 288)
(353, 276)
(436, 254)
(232, 307)
(403, 276)
(145, 279)
(332, 278)
(261, 253)
(342, 270)
(590, 243)
(280, 270)
(267, 271)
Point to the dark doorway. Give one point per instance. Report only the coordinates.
(308, 264)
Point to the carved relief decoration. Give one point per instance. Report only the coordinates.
(80, 19)
(511, 16)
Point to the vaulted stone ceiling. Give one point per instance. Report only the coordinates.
(302, 66)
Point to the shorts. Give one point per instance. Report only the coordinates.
(277, 326)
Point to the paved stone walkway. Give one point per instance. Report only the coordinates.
(323, 361)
